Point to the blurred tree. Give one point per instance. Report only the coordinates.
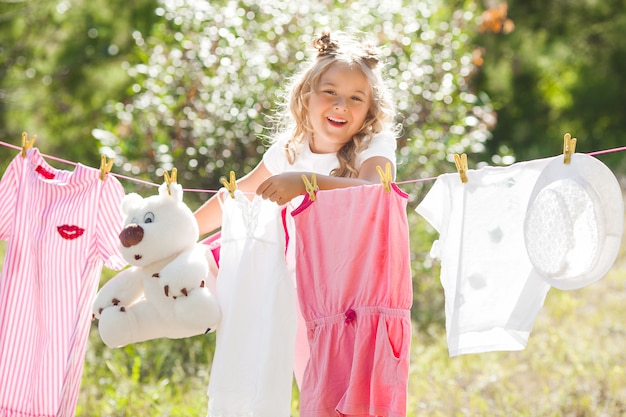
(208, 80)
(560, 70)
(59, 64)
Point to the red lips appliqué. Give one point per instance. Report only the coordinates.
(44, 173)
(70, 232)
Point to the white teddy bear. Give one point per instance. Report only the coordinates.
(165, 292)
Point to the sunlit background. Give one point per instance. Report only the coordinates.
(194, 84)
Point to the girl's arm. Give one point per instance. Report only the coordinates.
(281, 188)
(209, 215)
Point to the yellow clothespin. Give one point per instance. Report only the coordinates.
(26, 143)
(105, 167)
(461, 166)
(569, 147)
(385, 177)
(170, 179)
(231, 185)
(311, 187)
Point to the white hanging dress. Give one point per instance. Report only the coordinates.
(252, 370)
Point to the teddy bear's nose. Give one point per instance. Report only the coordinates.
(131, 235)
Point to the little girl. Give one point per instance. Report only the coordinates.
(338, 123)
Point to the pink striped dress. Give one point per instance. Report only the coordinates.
(355, 291)
(61, 227)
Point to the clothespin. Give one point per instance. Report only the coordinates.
(461, 166)
(569, 147)
(311, 187)
(105, 167)
(170, 179)
(385, 177)
(231, 185)
(27, 143)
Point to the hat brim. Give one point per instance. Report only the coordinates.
(574, 222)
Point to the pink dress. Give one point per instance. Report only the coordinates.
(355, 291)
(60, 228)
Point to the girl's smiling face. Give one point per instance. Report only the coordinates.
(338, 107)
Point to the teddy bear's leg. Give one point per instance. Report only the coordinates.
(120, 326)
(185, 272)
(125, 288)
(199, 311)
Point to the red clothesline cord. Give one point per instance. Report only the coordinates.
(8, 145)
(623, 148)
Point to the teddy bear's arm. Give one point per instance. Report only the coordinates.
(123, 289)
(189, 270)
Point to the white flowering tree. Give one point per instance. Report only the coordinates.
(207, 79)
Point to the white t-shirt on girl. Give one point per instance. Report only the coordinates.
(275, 159)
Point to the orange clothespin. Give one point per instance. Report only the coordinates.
(27, 143)
(170, 179)
(231, 185)
(385, 177)
(569, 147)
(461, 166)
(311, 187)
(105, 167)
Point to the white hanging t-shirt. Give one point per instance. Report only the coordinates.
(492, 292)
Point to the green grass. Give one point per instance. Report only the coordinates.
(574, 366)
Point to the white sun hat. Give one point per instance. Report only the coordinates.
(574, 222)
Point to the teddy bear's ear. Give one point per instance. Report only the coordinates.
(129, 201)
(177, 191)
(173, 190)
(164, 189)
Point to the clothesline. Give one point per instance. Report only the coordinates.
(600, 152)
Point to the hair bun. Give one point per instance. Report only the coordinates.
(325, 45)
(349, 49)
(371, 54)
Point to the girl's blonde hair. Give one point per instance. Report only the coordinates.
(294, 121)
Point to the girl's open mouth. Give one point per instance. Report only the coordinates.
(336, 122)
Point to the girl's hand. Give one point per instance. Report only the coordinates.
(281, 188)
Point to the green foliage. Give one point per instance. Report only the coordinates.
(559, 71)
(59, 64)
(428, 298)
(163, 377)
